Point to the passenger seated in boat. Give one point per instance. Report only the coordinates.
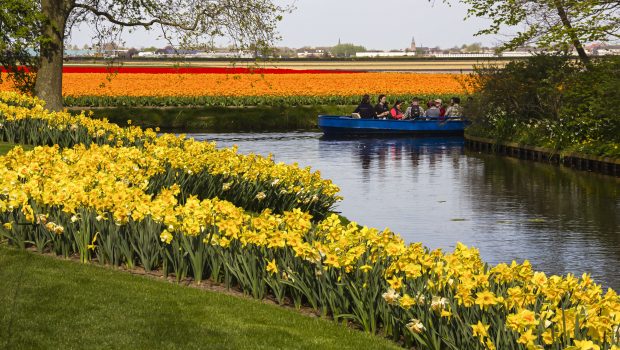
(442, 109)
(381, 108)
(434, 111)
(415, 110)
(455, 110)
(396, 112)
(365, 109)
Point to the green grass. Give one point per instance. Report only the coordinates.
(5, 147)
(48, 303)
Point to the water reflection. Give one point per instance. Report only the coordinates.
(432, 190)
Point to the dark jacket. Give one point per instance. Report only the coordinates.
(366, 110)
(379, 108)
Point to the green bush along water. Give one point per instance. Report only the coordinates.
(550, 101)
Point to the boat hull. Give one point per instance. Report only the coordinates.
(340, 125)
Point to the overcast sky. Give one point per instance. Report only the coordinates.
(383, 25)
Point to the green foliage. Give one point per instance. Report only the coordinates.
(550, 101)
(346, 50)
(551, 24)
(227, 101)
(46, 303)
(19, 38)
(222, 119)
(5, 147)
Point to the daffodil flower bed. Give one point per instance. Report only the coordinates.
(250, 181)
(98, 203)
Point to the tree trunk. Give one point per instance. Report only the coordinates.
(48, 85)
(574, 39)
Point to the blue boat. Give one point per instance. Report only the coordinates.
(345, 125)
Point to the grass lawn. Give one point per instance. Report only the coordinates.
(5, 147)
(48, 303)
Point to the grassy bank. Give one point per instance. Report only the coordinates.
(5, 147)
(47, 303)
(222, 119)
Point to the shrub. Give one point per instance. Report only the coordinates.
(550, 101)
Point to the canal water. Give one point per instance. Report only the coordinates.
(433, 190)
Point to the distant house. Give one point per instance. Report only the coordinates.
(171, 51)
(464, 55)
(312, 52)
(80, 53)
(224, 54)
(393, 53)
(607, 50)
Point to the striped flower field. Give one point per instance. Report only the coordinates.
(86, 84)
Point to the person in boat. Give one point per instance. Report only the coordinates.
(396, 111)
(365, 109)
(434, 111)
(442, 108)
(381, 108)
(415, 110)
(455, 110)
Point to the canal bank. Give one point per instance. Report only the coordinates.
(219, 119)
(603, 165)
(304, 118)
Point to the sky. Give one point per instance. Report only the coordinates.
(380, 25)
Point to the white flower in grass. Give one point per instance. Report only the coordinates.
(260, 196)
(416, 326)
(391, 296)
(438, 303)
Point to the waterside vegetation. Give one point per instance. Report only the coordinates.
(553, 102)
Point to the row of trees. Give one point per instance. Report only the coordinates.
(33, 32)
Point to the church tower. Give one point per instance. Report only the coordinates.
(413, 47)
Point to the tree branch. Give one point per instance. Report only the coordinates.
(113, 20)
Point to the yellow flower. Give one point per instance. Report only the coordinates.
(480, 330)
(395, 282)
(485, 299)
(523, 319)
(584, 345)
(272, 267)
(406, 301)
(92, 245)
(166, 237)
(366, 268)
(8, 225)
(527, 338)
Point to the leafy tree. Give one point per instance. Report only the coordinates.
(552, 24)
(19, 20)
(32, 32)
(346, 50)
(472, 48)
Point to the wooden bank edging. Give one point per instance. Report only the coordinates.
(603, 165)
